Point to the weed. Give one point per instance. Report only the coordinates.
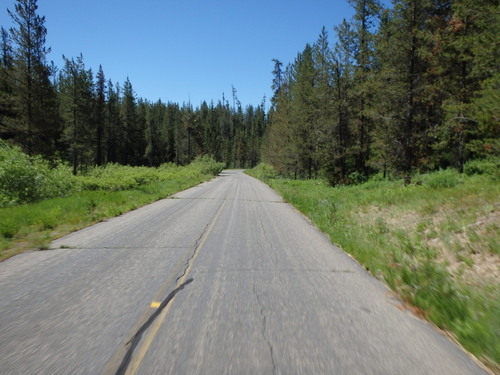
(381, 225)
(494, 245)
(422, 226)
(468, 261)
(479, 334)
(432, 234)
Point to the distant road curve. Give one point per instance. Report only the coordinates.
(223, 278)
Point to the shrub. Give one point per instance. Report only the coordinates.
(26, 179)
(357, 178)
(263, 172)
(115, 177)
(490, 167)
(207, 165)
(447, 178)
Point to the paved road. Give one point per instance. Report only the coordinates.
(223, 279)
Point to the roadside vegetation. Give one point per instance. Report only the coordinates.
(348, 110)
(436, 242)
(40, 202)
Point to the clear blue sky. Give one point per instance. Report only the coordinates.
(186, 49)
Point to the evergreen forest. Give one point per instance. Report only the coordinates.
(399, 90)
(79, 116)
(409, 89)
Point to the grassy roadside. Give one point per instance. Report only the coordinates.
(436, 244)
(103, 193)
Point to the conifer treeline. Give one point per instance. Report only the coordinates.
(406, 89)
(86, 119)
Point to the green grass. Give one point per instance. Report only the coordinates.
(35, 225)
(427, 241)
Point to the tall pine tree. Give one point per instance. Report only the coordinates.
(401, 96)
(363, 39)
(7, 99)
(77, 106)
(36, 127)
(100, 116)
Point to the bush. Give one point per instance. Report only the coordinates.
(447, 178)
(357, 178)
(263, 172)
(490, 167)
(115, 177)
(26, 179)
(376, 181)
(207, 165)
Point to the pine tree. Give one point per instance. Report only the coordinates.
(278, 142)
(100, 116)
(37, 125)
(277, 76)
(303, 113)
(77, 106)
(401, 99)
(134, 145)
(467, 57)
(323, 104)
(205, 120)
(7, 99)
(115, 137)
(185, 135)
(363, 38)
(155, 134)
(486, 111)
(172, 123)
(141, 125)
(340, 165)
(225, 123)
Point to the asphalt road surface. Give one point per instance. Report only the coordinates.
(225, 278)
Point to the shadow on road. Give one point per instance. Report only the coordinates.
(138, 335)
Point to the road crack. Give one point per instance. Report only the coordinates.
(264, 329)
(131, 345)
(127, 363)
(196, 248)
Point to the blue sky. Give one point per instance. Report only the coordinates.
(186, 49)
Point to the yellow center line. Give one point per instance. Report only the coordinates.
(153, 331)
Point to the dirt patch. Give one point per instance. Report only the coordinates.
(468, 250)
(380, 216)
(472, 254)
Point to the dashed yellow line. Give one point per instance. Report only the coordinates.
(155, 304)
